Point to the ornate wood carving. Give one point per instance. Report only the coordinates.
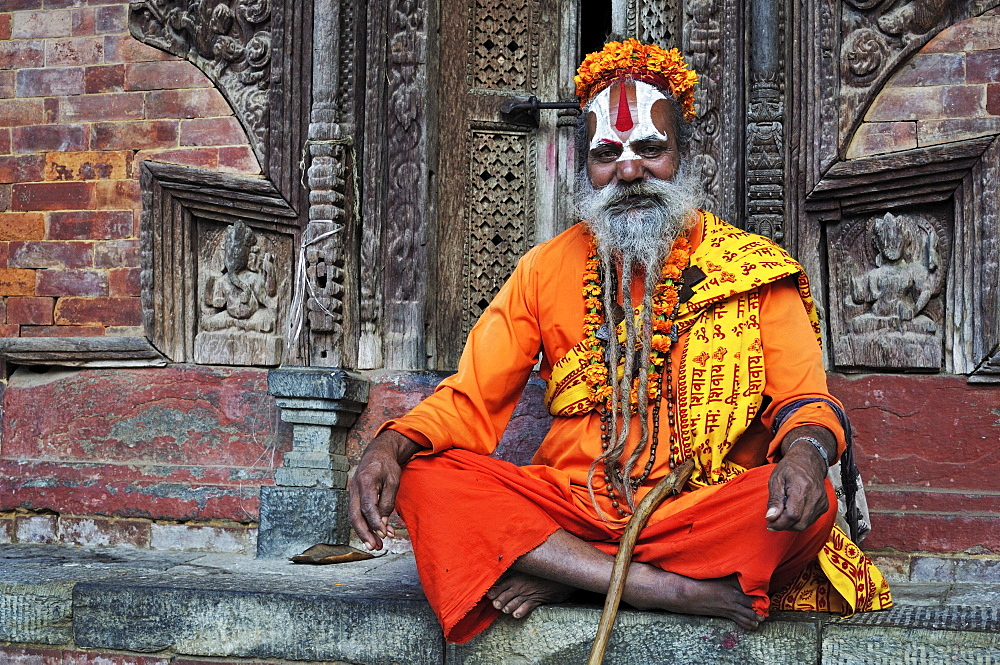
(503, 51)
(974, 293)
(258, 55)
(229, 41)
(942, 287)
(887, 277)
(207, 296)
(877, 36)
(765, 137)
(713, 45)
(403, 252)
(657, 22)
(500, 218)
(327, 280)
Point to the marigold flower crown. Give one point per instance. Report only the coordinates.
(631, 59)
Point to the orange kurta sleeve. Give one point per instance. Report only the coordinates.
(794, 363)
(471, 408)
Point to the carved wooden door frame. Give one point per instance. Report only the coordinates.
(842, 54)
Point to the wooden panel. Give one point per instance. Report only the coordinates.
(489, 209)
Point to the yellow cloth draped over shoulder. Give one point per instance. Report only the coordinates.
(716, 402)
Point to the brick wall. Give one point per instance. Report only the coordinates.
(82, 103)
(949, 91)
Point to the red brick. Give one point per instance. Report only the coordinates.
(49, 138)
(238, 159)
(22, 226)
(103, 532)
(206, 158)
(46, 23)
(124, 48)
(19, 54)
(134, 135)
(99, 311)
(98, 108)
(15, 282)
(117, 195)
(993, 99)
(64, 4)
(6, 84)
(62, 331)
(83, 22)
(116, 254)
(30, 311)
(6, 197)
(74, 51)
(106, 78)
(936, 132)
(195, 103)
(3, 319)
(4, 26)
(971, 35)
(111, 19)
(19, 656)
(50, 82)
(51, 109)
(212, 131)
(124, 282)
(931, 69)
(4, 253)
(19, 5)
(905, 104)
(165, 75)
(86, 283)
(51, 254)
(963, 101)
(983, 66)
(9, 330)
(21, 168)
(53, 196)
(4, 141)
(16, 112)
(90, 225)
(88, 165)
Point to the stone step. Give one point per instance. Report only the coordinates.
(171, 605)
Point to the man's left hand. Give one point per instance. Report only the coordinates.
(797, 489)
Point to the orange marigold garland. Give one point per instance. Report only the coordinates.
(632, 59)
(665, 304)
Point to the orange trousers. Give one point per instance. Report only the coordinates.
(471, 516)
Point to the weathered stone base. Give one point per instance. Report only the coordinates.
(293, 519)
(67, 606)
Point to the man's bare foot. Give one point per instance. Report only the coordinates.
(651, 588)
(518, 594)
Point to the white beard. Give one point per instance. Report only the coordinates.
(635, 227)
(637, 223)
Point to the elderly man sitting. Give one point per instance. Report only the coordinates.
(665, 334)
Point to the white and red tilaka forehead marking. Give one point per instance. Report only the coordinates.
(622, 115)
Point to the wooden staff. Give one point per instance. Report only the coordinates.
(672, 484)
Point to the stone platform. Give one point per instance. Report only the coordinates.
(122, 606)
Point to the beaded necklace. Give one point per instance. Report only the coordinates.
(665, 307)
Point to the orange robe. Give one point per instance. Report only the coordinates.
(540, 311)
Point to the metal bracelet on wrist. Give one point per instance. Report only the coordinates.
(816, 443)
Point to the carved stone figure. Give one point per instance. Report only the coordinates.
(898, 289)
(889, 290)
(239, 301)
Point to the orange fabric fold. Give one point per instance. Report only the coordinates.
(471, 516)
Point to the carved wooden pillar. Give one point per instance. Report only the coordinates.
(713, 45)
(765, 136)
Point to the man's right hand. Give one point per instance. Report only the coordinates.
(373, 487)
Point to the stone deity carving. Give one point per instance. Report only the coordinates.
(890, 311)
(239, 301)
(902, 283)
